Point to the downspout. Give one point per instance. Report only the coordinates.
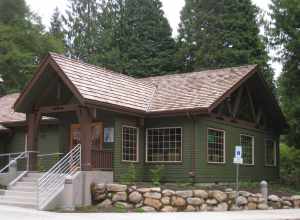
(192, 173)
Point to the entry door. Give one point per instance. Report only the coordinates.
(96, 132)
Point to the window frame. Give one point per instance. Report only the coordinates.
(165, 162)
(224, 146)
(275, 152)
(137, 144)
(253, 146)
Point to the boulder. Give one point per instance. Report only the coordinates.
(107, 203)
(235, 208)
(251, 206)
(135, 197)
(204, 207)
(168, 192)
(124, 205)
(296, 201)
(155, 203)
(168, 209)
(253, 199)
(119, 196)
(195, 201)
(155, 189)
(113, 187)
(287, 203)
(190, 208)
(262, 206)
(166, 200)
(241, 201)
(143, 190)
(244, 193)
(201, 194)
(185, 193)
(219, 195)
(178, 201)
(100, 197)
(273, 198)
(231, 195)
(221, 207)
(275, 205)
(227, 190)
(148, 209)
(100, 188)
(211, 202)
(139, 205)
(153, 195)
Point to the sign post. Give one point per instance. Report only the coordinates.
(237, 160)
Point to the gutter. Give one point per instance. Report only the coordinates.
(193, 171)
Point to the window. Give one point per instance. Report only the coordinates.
(247, 143)
(270, 153)
(216, 146)
(164, 144)
(130, 144)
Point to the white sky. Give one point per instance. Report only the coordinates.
(171, 8)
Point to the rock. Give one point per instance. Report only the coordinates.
(100, 188)
(100, 197)
(203, 207)
(251, 206)
(275, 205)
(221, 207)
(119, 196)
(124, 205)
(107, 203)
(195, 201)
(262, 206)
(286, 198)
(166, 200)
(168, 192)
(168, 209)
(273, 198)
(113, 187)
(241, 200)
(219, 195)
(190, 208)
(143, 190)
(139, 205)
(235, 208)
(261, 200)
(227, 190)
(201, 194)
(135, 197)
(153, 195)
(178, 201)
(148, 209)
(287, 203)
(231, 195)
(155, 203)
(244, 193)
(185, 193)
(155, 189)
(253, 199)
(296, 201)
(132, 189)
(211, 202)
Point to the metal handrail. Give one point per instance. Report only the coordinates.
(22, 155)
(55, 177)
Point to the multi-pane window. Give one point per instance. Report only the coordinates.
(247, 143)
(130, 143)
(164, 144)
(270, 152)
(215, 146)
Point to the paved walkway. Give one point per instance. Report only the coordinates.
(13, 213)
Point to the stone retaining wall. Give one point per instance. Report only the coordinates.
(156, 199)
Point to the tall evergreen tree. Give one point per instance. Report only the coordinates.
(81, 24)
(56, 27)
(221, 33)
(23, 42)
(285, 35)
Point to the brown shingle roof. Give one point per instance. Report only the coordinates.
(7, 113)
(197, 90)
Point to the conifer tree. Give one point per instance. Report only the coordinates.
(56, 27)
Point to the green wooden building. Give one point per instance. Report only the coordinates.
(189, 122)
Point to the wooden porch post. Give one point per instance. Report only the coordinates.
(33, 120)
(85, 121)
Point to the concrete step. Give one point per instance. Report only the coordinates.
(18, 203)
(25, 184)
(29, 179)
(19, 193)
(23, 188)
(18, 199)
(34, 174)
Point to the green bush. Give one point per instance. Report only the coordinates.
(289, 165)
(130, 176)
(156, 174)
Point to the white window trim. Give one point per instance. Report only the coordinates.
(137, 145)
(181, 147)
(253, 145)
(224, 146)
(275, 153)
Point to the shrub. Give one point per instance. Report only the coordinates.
(130, 176)
(289, 165)
(156, 174)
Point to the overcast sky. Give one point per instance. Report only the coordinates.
(171, 8)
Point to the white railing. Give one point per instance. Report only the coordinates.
(12, 159)
(53, 180)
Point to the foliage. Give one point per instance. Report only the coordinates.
(290, 165)
(56, 27)
(23, 42)
(285, 36)
(219, 33)
(130, 176)
(157, 174)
